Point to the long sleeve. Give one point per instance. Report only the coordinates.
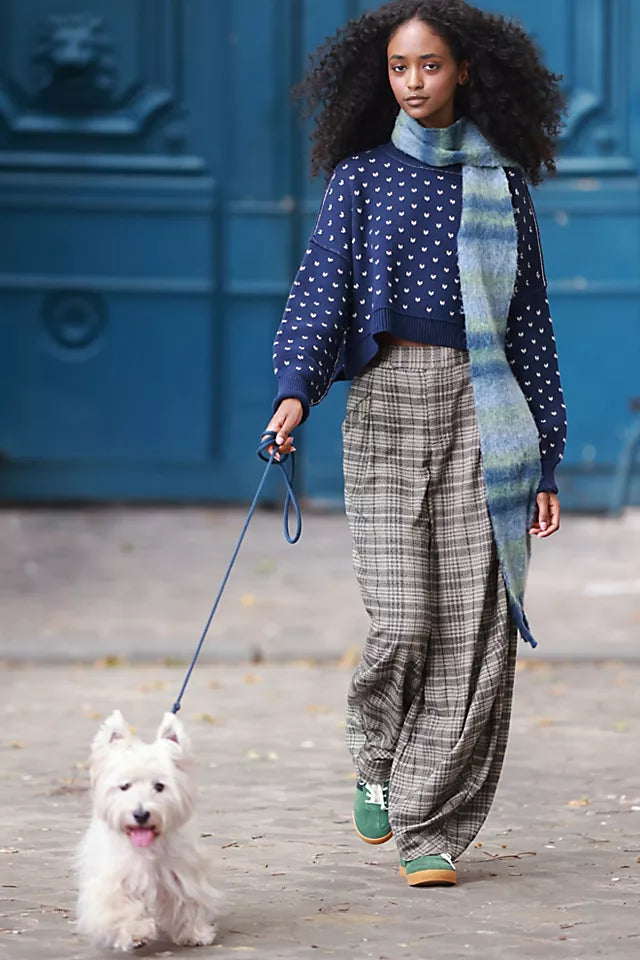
(530, 343)
(308, 344)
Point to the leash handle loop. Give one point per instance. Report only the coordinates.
(290, 501)
(267, 440)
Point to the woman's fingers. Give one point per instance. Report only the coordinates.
(554, 506)
(547, 519)
(286, 418)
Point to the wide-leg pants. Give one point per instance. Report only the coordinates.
(430, 702)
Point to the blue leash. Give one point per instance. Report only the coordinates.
(268, 440)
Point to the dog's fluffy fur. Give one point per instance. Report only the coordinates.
(141, 874)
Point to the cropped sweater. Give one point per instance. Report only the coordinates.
(383, 258)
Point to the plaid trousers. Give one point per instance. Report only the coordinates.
(430, 702)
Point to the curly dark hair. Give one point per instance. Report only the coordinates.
(511, 96)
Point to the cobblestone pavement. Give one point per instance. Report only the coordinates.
(101, 607)
(555, 872)
(84, 583)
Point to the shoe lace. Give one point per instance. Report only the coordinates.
(447, 857)
(377, 794)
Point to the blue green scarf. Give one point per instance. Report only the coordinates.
(487, 257)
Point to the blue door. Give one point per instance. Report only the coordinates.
(155, 202)
(146, 244)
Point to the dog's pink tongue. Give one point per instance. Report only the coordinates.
(142, 836)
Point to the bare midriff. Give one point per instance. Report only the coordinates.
(387, 338)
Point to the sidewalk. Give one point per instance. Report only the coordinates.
(107, 604)
(139, 583)
(555, 872)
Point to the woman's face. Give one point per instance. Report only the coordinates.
(423, 73)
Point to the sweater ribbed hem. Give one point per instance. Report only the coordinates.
(292, 386)
(548, 482)
(438, 331)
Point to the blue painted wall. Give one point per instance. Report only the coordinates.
(155, 202)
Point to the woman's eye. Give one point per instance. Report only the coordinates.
(158, 787)
(124, 786)
(429, 65)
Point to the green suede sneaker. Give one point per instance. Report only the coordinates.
(371, 812)
(429, 871)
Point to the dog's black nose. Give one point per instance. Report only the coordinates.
(141, 816)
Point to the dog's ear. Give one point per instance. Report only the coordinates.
(114, 733)
(114, 729)
(171, 729)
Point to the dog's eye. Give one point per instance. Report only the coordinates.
(158, 787)
(125, 786)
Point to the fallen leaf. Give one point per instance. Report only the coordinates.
(152, 686)
(69, 787)
(209, 718)
(248, 600)
(350, 658)
(109, 661)
(251, 678)
(581, 802)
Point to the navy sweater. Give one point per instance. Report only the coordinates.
(383, 258)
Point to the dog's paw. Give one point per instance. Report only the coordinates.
(128, 945)
(136, 937)
(201, 937)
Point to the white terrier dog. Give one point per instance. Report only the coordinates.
(141, 874)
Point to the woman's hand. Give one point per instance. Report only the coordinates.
(547, 517)
(285, 419)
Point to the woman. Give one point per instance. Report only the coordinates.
(423, 283)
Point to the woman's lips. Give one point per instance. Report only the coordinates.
(416, 101)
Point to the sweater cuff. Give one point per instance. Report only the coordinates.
(548, 482)
(291, 386)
